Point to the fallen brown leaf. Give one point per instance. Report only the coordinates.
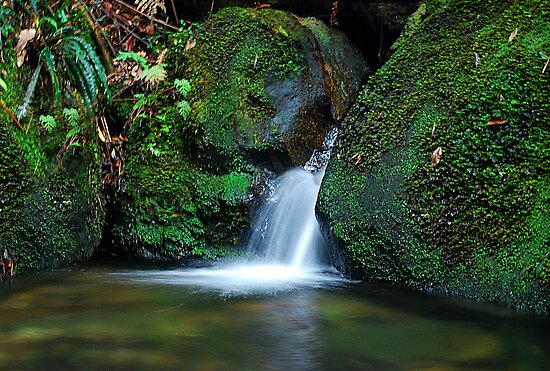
(25, 36)
(436, 156)
(495, 121)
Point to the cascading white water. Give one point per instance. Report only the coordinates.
(285, 230)
(285, 245)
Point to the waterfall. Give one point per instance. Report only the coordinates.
(285, 230)
(285, 244)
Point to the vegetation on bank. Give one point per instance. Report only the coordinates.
(440, 180)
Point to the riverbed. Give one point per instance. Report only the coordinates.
(104, 316)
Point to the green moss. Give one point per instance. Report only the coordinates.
(476, 224)
(236, 52)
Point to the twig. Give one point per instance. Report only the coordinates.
(11, 114)
(175, 13)
(147, 16)
(546, 65)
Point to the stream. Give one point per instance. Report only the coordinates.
(109, 316)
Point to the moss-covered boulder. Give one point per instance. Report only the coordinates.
(265, 88)
(50, 211)
(440, 180)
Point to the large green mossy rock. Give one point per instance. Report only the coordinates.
(51, 211)
(50, 215)
(466, 77)
(266, 87)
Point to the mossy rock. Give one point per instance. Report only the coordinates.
(465, 76)
(265, 90)
(51, 211)
(49, 217)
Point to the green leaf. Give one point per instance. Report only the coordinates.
(3, 85)
(183, 108)
(155, 73)
(74, 131)
(47, 57)
(72, 116)
(49, 20)
(48, 122)
(122, 56)
(183, 86)
(22, 110)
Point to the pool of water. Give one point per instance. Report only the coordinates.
(104, 317)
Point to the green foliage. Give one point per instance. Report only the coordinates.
(48, 122)
(68, 56)
(123, 56)
(3, 84)
(72, 116)
(153, 74)
(6, 22)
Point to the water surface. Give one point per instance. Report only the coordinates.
(102, 317)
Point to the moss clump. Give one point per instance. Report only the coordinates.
(475, 224)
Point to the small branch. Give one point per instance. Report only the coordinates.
(175, 13)
(11, 114)
(546, 65)
(147, 16)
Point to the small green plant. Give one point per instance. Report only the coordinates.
(184, 87)
(150, 74)
(48, 122)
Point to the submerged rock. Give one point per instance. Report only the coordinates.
(266, 86)
(440, 180)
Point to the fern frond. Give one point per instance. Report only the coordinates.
(22, 111)
(46, 56)
(122, 56)
(72, 116)
(153, 74)
(78, 78)
(150, 7)
(48, 122)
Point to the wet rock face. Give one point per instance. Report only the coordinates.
(271, 79)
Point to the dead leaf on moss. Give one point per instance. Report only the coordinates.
(190, 44)
(436, 156)
(25, 36)
(513, 35)
(495, 121)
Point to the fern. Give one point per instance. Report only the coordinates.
(183, 108)
(123, 56)
(69, 58)
(72, 116)
(153, 74)
(150, 7)
(22, 111)
(46, 56)
(48, 122)
(183, 86)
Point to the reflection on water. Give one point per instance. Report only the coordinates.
(110, 319)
